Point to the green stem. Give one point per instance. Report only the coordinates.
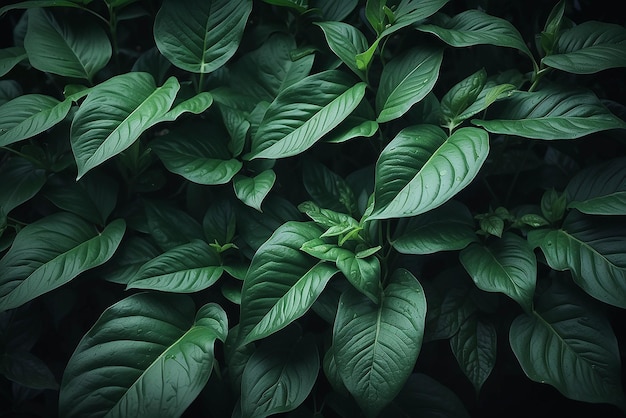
(200, 83)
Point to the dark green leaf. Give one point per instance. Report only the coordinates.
(10, 57)
(170, 226)
(328, 189)
(20, 182)
(27, 370)
(600, 189)
(346, 42)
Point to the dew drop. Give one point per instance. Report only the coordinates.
(443, 172)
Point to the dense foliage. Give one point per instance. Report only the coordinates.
(327, 208)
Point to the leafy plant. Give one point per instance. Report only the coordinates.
(312, 208)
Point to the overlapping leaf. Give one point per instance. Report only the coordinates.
(20, 182)
(304, 112)
(551, 113)
(115, 113)
(593, 249)
(376, 346)
(600, 189)
(346, 42)
(145, 356)
(568, 344)
(52, 251)
(252, 190)
(422, 168)
(589, 48)
(200, 36)
(10, 57)
(68, 48)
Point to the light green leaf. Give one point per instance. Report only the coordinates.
(422, 168)
(406, 80)
(200, 35)
(115, 113)
(29, 115)
(507, 265)
(146, 356)
(549, 114)
(52, 251)
(20, 182)
(279, 375)
(252, 190)
(186, 268)
(589, 48)
(593, 249)
(196, 105)
(303, 113)
(198, 151)
(274, 69)
(69, 48)
(569, 344)
(475, 349)
(10, 57)
(277, 267)
(473, 27)
(448, 227)
(376, 346)
(346, 42)
(599, 189)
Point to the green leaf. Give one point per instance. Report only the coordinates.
(406, 80)
(422, 168)
(69, 48)
(321, 102)
(145, 356)
(186, 268)
(599, 189)
(474, 348)
(553, 205)
(274, 69)
(424, 397)
(115, 113)
(507, 265)
(20, 182)
(376, 346)
(196, 105)
(589, 48)
(219, 222)
(200, 36)
(29, 115)
(593, 249)
(410, 12)
(132, 253)
(569, 344)
(9, 90)
(252, 190)
(549, 114)
(279, 375)
(446, 228)
(300, 6)
(332, 10)
(375, 14)
(327, 189)
(170, 226)
(52, 251)
(473, 27)
(27, 370)
(346, 42)
(40, 3)
(282, 282)
(186, 151)
(10, 57)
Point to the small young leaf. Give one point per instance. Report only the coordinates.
(252, 190)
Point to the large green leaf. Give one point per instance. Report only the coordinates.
(279, 375)
(589, 48)
(551, 113)
(274, 68)
(424, 397)
(115, 113)
(69, 48)
(198, 151)
(20, 182)
(422, 168)
(186, 268)
(10, 57)
(52, 251)
(282, 282)
(473, 27)
(304, 112)
(475, 347)
(507, 265)
(146, 356)
(569, 344)
(594, 249)
(346, 42)
(28, 115)
(200, 35)
(376, 346)
(448, 227)
(599, 189)
(252, 190)
(406, 80)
